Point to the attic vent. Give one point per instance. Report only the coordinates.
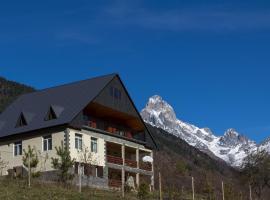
(21, 121)
(50, 115)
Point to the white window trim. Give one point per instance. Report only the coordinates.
(79, 138)
(96, 144)
(14, 149)
(47, 143)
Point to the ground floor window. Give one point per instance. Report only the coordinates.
(18, 148)
(47, 143)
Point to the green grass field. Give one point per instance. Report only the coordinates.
(11, 189)
(18, 189)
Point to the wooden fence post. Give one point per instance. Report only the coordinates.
(160, 186)
(223, 195)
(193, 190)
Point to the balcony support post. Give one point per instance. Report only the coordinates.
(152, 177)
(123, 170)
(123, 153)
(138, 161)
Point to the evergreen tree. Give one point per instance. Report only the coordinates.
(31, 154)
(64, 163)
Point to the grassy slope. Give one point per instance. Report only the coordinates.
(18, 189)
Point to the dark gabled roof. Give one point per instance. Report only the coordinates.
(66, 101)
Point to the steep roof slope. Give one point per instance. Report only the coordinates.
(66, 100)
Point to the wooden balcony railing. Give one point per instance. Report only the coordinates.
(114, 160)
(127, 133)
(145, 166)
(115, 183)
(131, 163)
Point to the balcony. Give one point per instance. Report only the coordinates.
(145, 166)
(115, 130)
(114, 156)
(114, 122)
(131, 163)
(114, 160)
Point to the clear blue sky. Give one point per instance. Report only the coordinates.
(209, 59)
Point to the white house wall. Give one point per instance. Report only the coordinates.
(7, 151)
(97, 158)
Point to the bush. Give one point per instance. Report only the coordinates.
(143, 191)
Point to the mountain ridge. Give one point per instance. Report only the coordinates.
(232, 147)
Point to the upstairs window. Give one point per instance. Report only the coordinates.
(50, 115)
(18, 148)
(94, 146)
(115, 93)
(47, 143)
(21, 121)
(78, 141)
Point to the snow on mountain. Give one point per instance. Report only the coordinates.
(265, 145)
(232, 147)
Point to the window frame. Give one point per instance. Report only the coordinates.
(17, 151)
(94, 143)
(46, 139)
(78, 141)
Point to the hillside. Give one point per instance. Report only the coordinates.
(10, 90)
(178, 162)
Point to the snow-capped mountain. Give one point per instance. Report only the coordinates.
(232, 147)
(265, 145)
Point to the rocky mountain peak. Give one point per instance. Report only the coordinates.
(232, 147)
(233, 138)
(158, 112)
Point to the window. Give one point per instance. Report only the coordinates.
(94, 145)
(18, 148)
(47, 143)
(78, 141)
(21, 121)
(50, 115)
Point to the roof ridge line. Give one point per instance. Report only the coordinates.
(65, 84)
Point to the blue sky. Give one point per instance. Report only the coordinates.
(209, 59)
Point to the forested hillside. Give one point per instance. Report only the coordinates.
(10, 90)
(178, 162)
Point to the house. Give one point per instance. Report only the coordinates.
(96, 116)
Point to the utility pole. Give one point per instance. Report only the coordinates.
(160, 186)
(193, 190)
(223, 195)
(29, 171)
(80, 177)
(250, 192)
